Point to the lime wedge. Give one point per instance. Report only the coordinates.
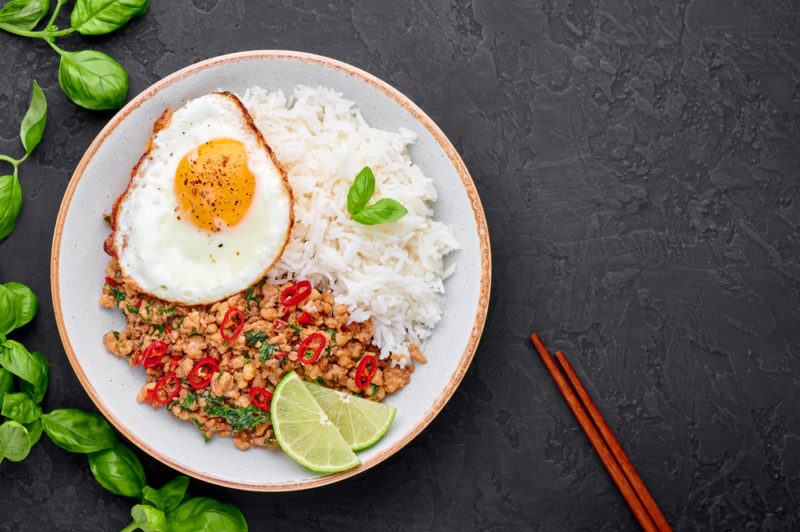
(305, 432)
(361, 422)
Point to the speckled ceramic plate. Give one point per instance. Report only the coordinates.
(78, 265)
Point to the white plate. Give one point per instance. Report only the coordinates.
(78, 264)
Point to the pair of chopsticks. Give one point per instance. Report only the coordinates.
(615, 460)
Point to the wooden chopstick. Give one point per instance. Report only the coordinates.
(615, 469)
(616, 449)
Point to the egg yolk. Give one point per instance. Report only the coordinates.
(213, 184)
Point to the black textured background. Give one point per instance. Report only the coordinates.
(638, 166)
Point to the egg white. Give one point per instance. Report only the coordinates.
(172, 258)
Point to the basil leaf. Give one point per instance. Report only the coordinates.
(8, 310)
(6, 382)
(27, 366)
(23, 14)
(203, 514)
(361, 190)
(381, 212)
(32, 127)
(78, 431)
(147, 518)
(118, 470)
(10, 203)
(25, 303)
(37, 389)
(169, 496)
(14, 441)
(96, 17)
(92, 80)
(20, 408)
(34, 431)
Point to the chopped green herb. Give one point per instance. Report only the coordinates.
(132, 309)
(116, 335)
(159, 329)
(107, 218)
(239, 418)
(200, 428)
(266, 351)
(250, 294)
(320, 381)
(118, 294)
(189, 401)
(253, 337)
(296, 328)
(374, 391)
(168, 311)
(246, 360)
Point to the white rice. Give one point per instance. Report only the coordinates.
(391, 273)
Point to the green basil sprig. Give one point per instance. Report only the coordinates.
(15, 444)
(169, 496)
(21, 408)
(382, 211)
(118, 470)
(89, 78)
(30, 133)
(21, 426)
(77, 431)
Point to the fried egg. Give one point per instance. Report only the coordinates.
(207, 211)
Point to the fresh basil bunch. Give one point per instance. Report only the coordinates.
(383, 211)
(114, 466)
(89, 78)
(23, 376)
(30, 133)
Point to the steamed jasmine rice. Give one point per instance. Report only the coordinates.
(393, 273)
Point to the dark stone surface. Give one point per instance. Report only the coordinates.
(638, 165)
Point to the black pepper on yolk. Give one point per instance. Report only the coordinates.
(213, 184)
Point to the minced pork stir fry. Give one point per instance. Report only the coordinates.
(218, 364)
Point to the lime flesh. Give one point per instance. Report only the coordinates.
(361, 422)
(305, 432)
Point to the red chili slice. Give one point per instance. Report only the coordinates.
(364, 376)
(281, 354)
(153, 353)
(110, 281)
(305, 319)
(305, 345)
(199, 381)
(233, 311)
(260, 397)
(162, 385)
(296, 293)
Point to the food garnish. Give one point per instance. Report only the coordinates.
(165, 390)
(260, 397)
(305, 432)
(231, 313)
(305, 347)
(361, 422)
(153, 354)
(89, 78)
(30, 132)
(296, 294)
(202, 372)
(365, 370)
(382, 211)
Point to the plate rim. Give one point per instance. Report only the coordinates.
(443, 142)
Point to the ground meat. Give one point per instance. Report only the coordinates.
(260, 356)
